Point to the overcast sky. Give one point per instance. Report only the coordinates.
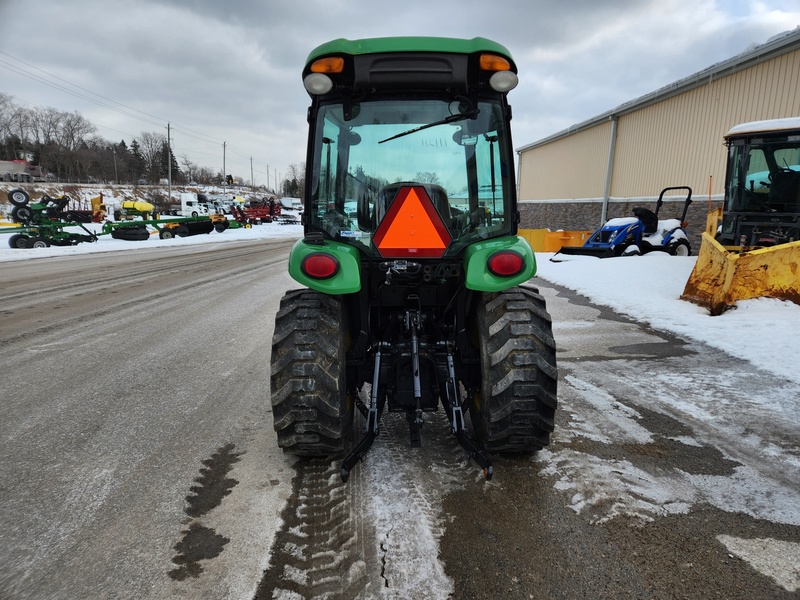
(230, 71)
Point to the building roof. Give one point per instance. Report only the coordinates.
(775, 46)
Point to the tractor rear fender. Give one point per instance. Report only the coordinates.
(345, 277)
(477, 257)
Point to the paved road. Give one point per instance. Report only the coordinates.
(673, 474)
(135, 399)
(138, 458)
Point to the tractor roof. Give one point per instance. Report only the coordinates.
(409, 44)
(768, 126)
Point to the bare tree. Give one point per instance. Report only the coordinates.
(206, 175)
(151, 145)
(20, 126)
(190, 169)
(7, 109)
(73, 132)
(44, 125)
(44, 130)
(9, 132)
(295, 183)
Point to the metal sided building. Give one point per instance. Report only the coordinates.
(603, 167)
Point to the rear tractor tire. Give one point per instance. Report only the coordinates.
(312, 413)
(515, 410)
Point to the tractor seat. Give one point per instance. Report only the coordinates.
(648, 219)
(785, 189)
(437, 194)
(62, 202)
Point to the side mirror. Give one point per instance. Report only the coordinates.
(464, 139)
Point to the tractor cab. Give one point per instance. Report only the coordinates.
(762, 192)
(388, 123)
(410, 260)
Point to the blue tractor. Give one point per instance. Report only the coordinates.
(642, 233)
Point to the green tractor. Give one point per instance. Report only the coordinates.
(413, 269)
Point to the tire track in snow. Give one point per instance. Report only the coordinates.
(319, 551)
(406, 486)
(377, 536)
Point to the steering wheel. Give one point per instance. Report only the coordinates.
(780, 170)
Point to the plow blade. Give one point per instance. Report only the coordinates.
(720, 277)
(582, 251)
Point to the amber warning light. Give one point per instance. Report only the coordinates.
(412, 227)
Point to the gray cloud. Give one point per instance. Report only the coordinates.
(231, 71)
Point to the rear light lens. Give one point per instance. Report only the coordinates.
(503, 79)
(494, 62)
(320, 265)
(505, 263)
(330, 64)
(318, 83)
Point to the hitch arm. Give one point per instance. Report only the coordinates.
(455, 408)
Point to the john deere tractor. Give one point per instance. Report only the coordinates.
(414, 275)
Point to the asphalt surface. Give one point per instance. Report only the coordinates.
(134, 385)
(137, 458)
(522, 538)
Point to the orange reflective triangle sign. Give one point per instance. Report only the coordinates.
(412, 227)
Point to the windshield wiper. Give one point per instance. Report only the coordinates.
(448, 119)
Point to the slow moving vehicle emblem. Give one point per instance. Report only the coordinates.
(412, 227)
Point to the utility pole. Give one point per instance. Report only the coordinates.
(169, 167)
(224, 171)
(116, 175)
(267, 177)
(252, 180)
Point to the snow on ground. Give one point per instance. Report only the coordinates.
(647, 288)
(765, 332)
(106, 243)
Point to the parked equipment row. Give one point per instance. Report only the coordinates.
(44, 223)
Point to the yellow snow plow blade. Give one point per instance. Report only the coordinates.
(721, 277)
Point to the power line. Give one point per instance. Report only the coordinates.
(84, 89)
(19, 71)
(142, 116)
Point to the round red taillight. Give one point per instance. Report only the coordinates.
(320, 265)
(505, 263)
